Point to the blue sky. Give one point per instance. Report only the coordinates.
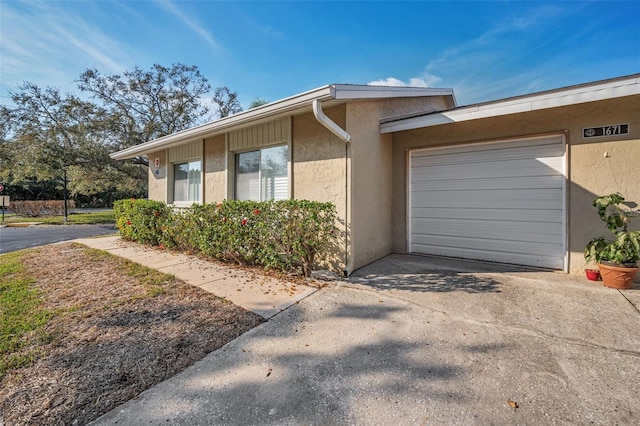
(483, 50)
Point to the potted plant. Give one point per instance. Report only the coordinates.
(617, 257)
(592, 274)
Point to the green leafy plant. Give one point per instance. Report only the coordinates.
(141, 220)
(288, 235)
(625, 247)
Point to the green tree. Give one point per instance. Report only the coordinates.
(258, 102)
(147, 104)
(226, 102)
(47, 132)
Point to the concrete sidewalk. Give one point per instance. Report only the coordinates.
(416, 341)
(263, 295)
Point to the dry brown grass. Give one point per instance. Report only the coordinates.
(118, 328)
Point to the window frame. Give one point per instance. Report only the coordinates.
(199, 197)
(261, 195)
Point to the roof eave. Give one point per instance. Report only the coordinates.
(357, 92)
(219, 126)
(337, 92)
(608, 89)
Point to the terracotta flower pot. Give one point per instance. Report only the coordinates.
(617, 276)
(592, 274)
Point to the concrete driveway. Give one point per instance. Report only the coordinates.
(417, 341)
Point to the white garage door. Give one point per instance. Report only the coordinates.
(497, 201)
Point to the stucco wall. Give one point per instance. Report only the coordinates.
(158, 176)
(590, 172)
(320, 167)
(215, 183)
(373, 194)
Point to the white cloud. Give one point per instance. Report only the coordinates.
(50, 44)
(389, 81)
(95, 51)
(191, 22)
(423, 80)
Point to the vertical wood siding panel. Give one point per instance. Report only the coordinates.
(185, 152)
(271, 133)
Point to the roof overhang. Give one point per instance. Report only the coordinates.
(590, 92)
(329, 95)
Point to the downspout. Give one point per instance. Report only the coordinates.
(346, 138)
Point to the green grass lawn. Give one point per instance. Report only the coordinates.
(74, 219)
(23, 317)
(21, 314)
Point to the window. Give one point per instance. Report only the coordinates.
(186, 181)
(263, 175)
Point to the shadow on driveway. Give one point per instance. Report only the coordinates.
(427, 274)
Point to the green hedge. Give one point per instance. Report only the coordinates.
(141, 220)
(288, 235)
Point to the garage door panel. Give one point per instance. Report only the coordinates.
(500, 201)
(519, 182)
(495, 200)
(481, 155)
(539, 260)
(533, 215)
(504, 230)
(487, 170)
(500, 249)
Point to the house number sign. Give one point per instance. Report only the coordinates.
(610, 130)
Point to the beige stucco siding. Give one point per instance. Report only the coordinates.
(215, 182)
(372, 178)
(590, 173)
(372, 196)
(356, 177)
(319, 169)
(158, 176)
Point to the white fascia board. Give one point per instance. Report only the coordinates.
(215, 127)
(354, 92)
(570, 96)
(300, 102)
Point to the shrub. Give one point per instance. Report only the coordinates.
(141, 220)
(286, 235)
(40, 208)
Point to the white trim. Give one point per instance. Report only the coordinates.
(297, 103)
(557, 98)
(355, 92)
(565, 210)
(290, 165)
(229, 170)
(226, 123)
(172, 183)
(328, 123)
(407, 186)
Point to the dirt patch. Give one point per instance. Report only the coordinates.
(117, 329)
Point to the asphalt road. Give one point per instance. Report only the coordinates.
(13, 239)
